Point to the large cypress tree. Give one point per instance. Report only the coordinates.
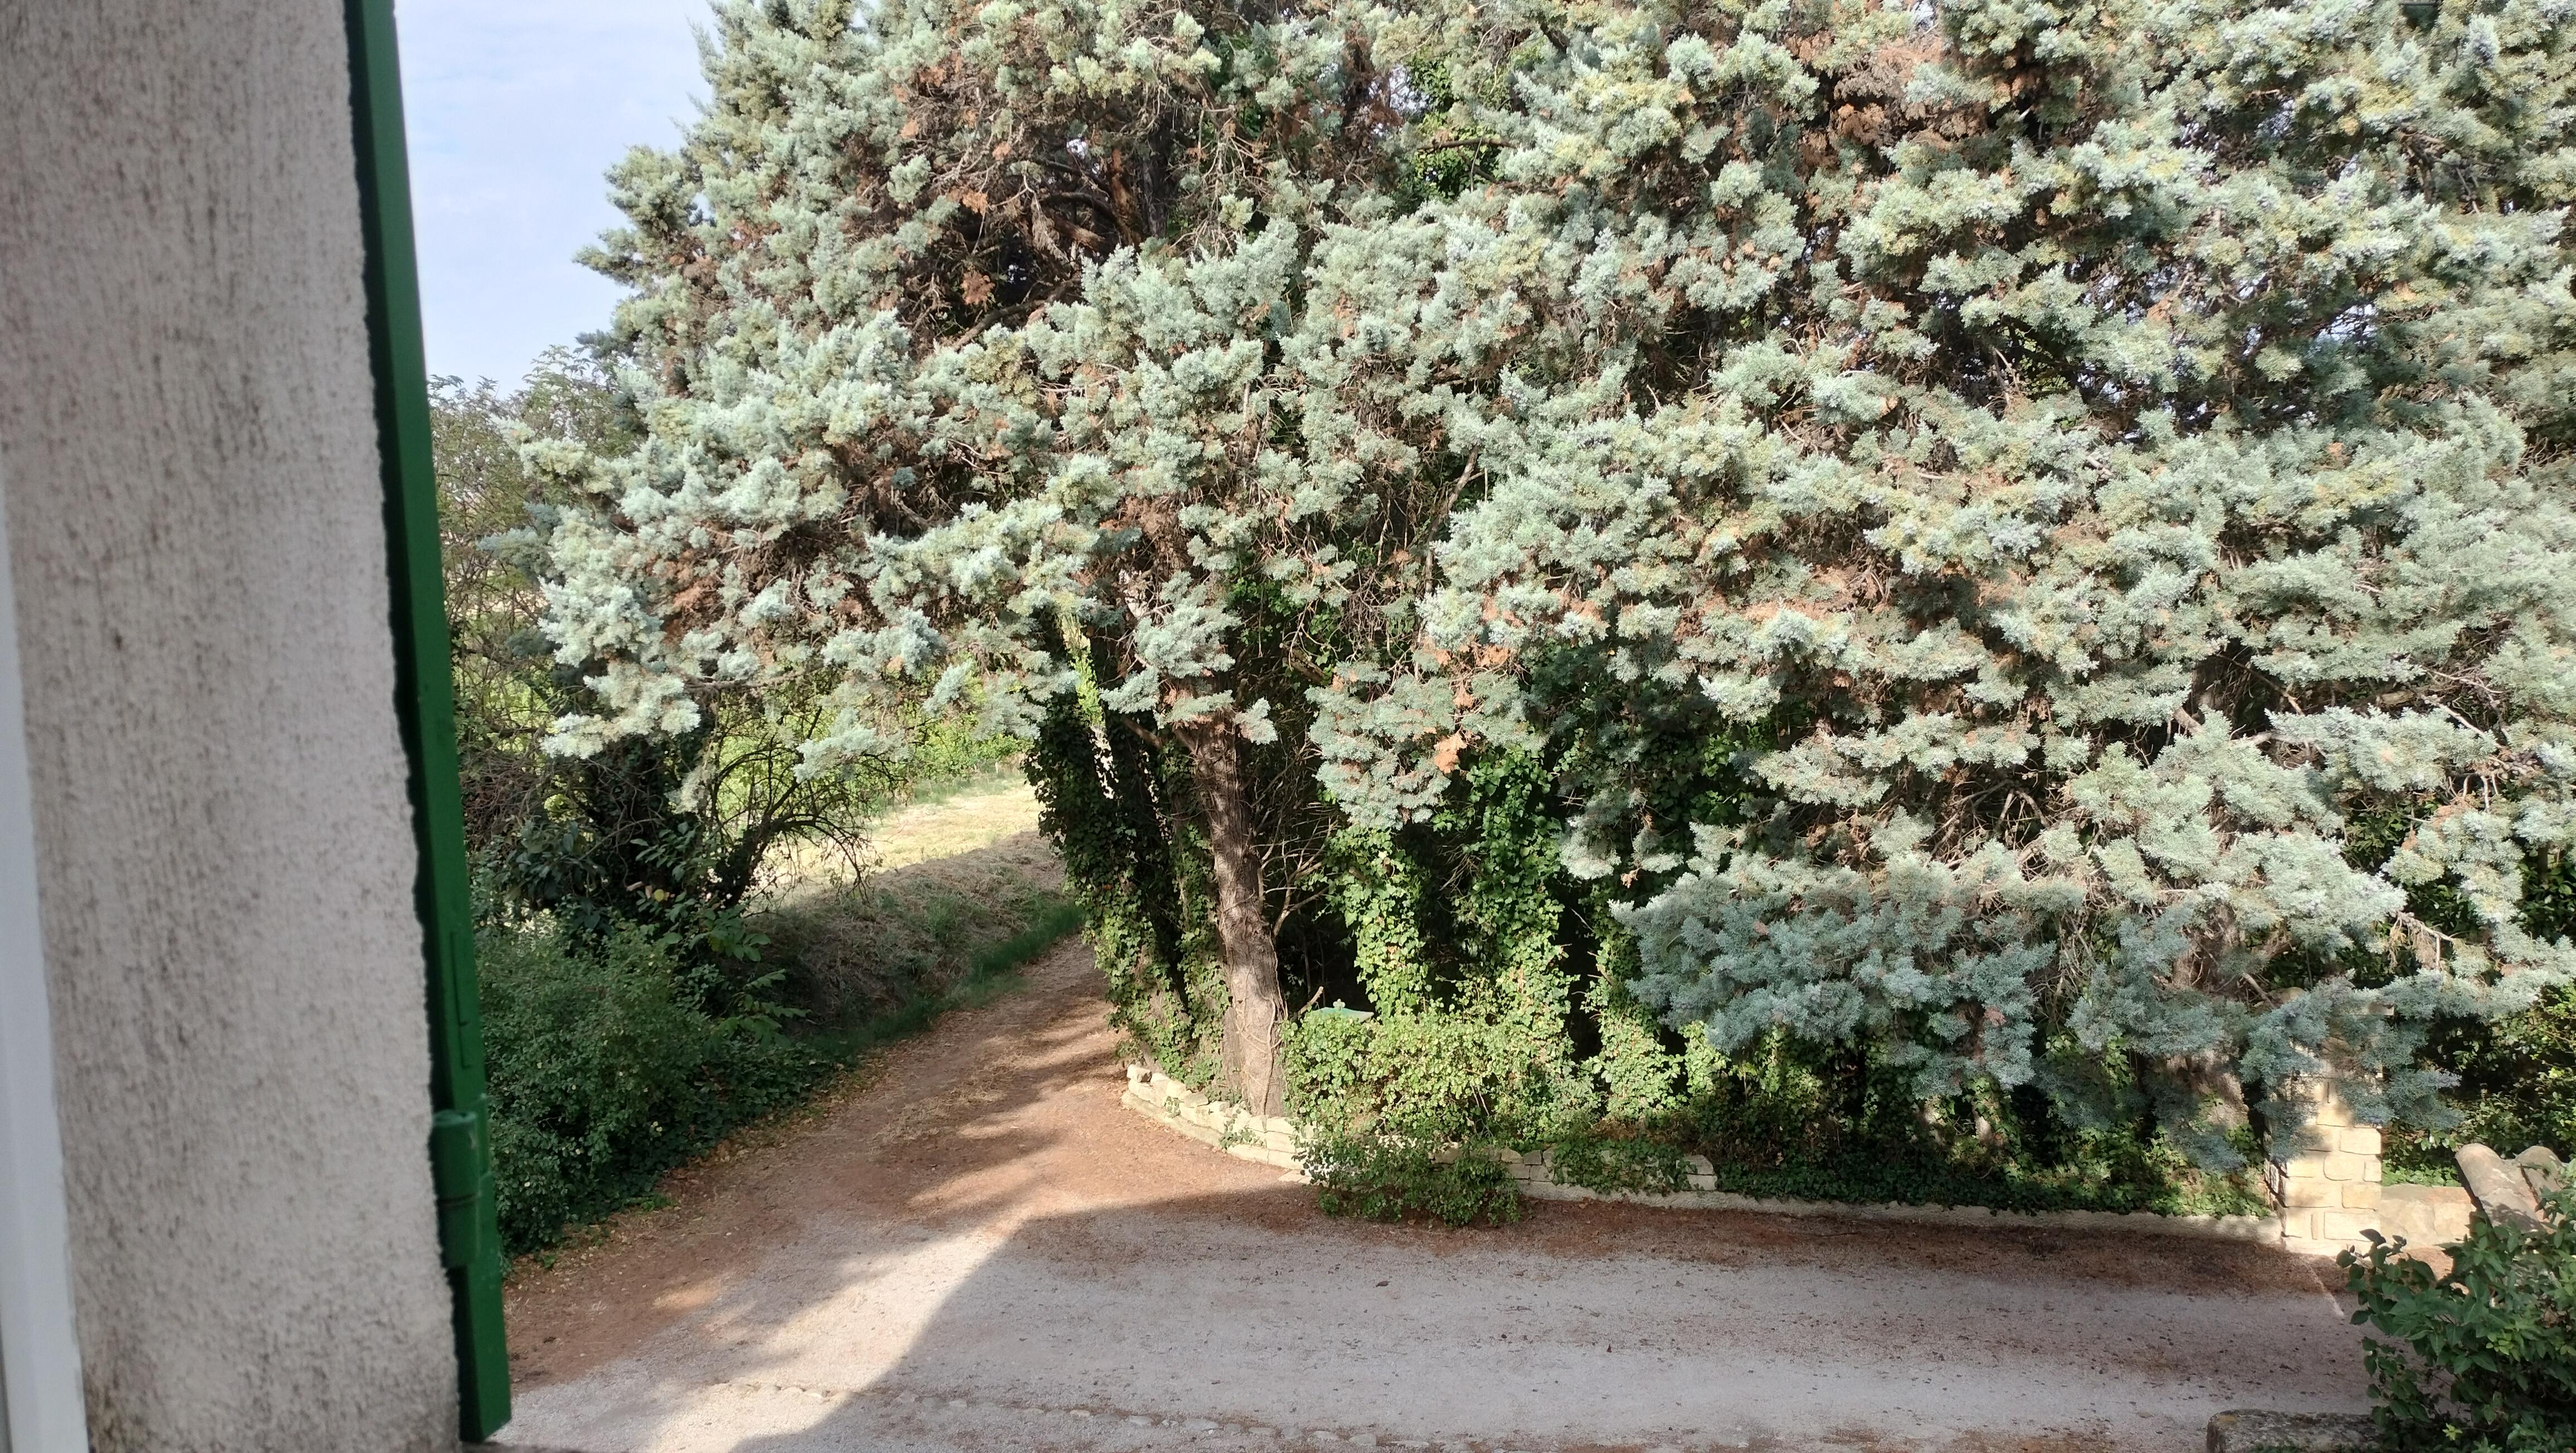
(979, 343)
(2106, 465)
(2099, 468)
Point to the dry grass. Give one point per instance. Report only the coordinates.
(965, 823)
(960, 818)
(948, 882)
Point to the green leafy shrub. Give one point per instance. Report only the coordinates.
(2517, 1087)
(2518, 1084)
(606, 1070)
(1400, 1175)
(1606, 1164)
(1401, 1114)
(1450, 1077)
(2516, 1076)
(1787, 1118)
(2484, 1356)
(1783, 1119)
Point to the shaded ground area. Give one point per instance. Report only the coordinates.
(980, 1250)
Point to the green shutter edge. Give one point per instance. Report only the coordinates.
(460, 1143)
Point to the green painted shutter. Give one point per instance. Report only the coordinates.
(425, 698)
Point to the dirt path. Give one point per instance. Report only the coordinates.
(982, 1251)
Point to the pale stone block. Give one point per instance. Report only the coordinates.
(2361, 1195)
(2341, 1167)
(2331, 1237)
(2333, 1113)
(2250, 1431)
(2425, 1215)
(2499, 1187)
(2361, 1140)
(2302, 1192)
(2374, 1170)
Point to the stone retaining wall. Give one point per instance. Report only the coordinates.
(1272, 1140)
(1269, 1139)
(2329, 1190)
(2329, 1193)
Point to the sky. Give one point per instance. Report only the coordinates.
(515, 109)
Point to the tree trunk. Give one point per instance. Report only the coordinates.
(1249, 1059)
(2209, 1078)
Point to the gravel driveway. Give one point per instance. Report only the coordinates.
(981, 1250)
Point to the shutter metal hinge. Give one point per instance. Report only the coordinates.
(460, 1171)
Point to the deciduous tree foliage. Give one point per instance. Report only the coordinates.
(2066, 464)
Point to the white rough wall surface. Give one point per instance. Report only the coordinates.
(224, 855)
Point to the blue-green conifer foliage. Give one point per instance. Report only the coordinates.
(2061, 465)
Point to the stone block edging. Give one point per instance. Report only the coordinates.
(1272, 1140)
(1267, 1139)
(2249, 1430)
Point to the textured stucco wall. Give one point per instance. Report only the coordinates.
(224, 860)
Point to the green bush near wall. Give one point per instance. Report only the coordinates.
(2482, 1357)
(604, 1075)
